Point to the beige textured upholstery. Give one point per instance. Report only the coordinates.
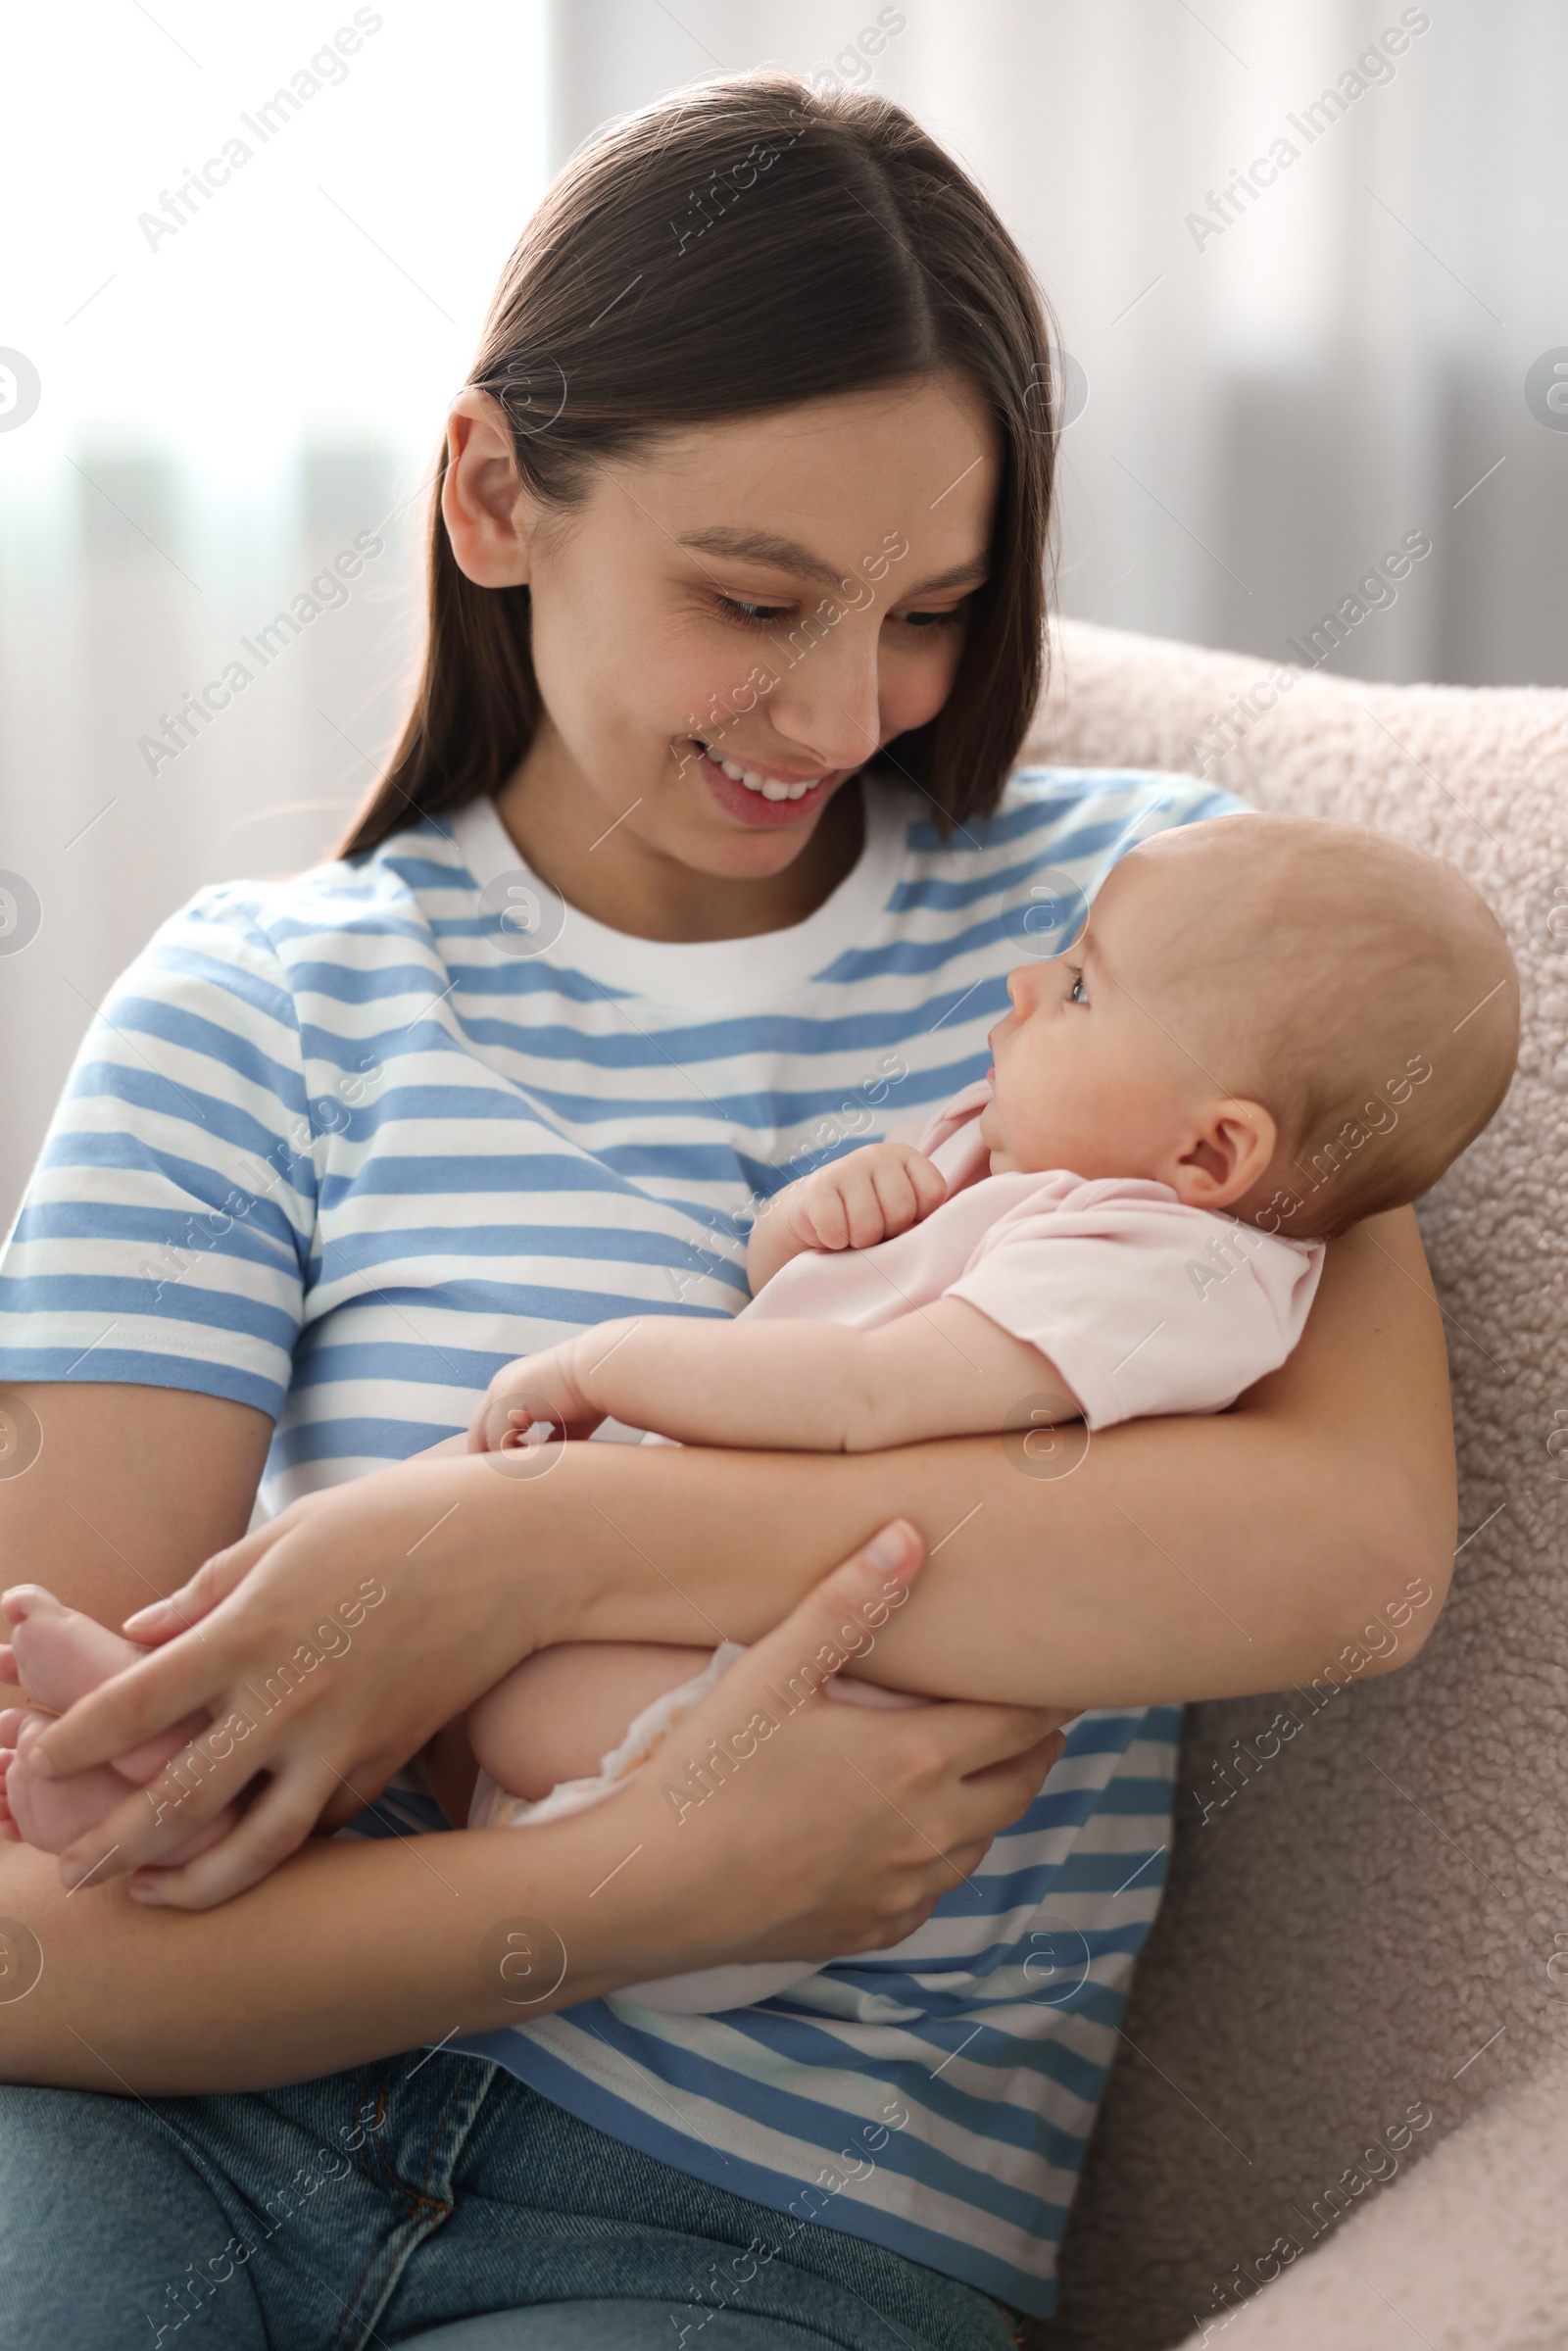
(1374, 1928)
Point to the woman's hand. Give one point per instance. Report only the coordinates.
(835, 1831)
(772, 1825)
(307, 1729)
(325, 1648)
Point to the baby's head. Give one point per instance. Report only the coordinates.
(1300, 1024)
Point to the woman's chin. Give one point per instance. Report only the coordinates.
(736, 856)
(713, 841)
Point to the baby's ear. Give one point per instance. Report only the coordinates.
(1229, 1150)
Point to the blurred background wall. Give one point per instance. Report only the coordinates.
(1306, 261)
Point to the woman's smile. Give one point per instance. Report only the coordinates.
(764, 797)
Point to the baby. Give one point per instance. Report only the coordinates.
(1272, 1028)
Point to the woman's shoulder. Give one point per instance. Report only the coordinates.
(1028, 871)
(1066, 809)
(259, 959)
(324, 910)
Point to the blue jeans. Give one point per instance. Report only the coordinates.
(432, 2200)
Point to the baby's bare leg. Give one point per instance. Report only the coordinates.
(555, 1716)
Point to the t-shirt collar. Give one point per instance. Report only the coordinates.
(745, 972)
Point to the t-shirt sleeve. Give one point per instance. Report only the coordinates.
(1145, 1306)
(167, 1232)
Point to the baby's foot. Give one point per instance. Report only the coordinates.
(49, 1813)
(52, 1813)
(60, 1655)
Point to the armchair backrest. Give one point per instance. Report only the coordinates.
(1365, 1939)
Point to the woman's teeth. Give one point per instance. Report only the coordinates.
(769, 785)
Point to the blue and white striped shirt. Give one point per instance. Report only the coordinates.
(341, 1147)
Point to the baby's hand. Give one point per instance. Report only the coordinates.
(538, 1392)
(871, 1196)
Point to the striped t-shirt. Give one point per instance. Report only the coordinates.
(340, 1146)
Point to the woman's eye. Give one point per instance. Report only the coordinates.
(752, 616)
(930, 619)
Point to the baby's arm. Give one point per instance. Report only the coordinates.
(869, 1196)
(944, 1370)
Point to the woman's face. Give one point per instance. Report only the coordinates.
(730, 624)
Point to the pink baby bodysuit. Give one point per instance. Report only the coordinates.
(1144, 1305)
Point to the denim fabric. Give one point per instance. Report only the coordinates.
(620, 2327)
(389, 2203)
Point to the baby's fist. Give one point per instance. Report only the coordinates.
(540, 1392)
(871, 1196)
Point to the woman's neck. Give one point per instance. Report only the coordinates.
(623, 881)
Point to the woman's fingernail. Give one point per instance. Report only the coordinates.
(891, 1546)
(71, 1873)
(148, 1891)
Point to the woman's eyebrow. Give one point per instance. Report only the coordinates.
(788, 555)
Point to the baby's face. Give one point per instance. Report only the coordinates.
(1086, 1073)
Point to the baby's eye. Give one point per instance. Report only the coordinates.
(1077, 994)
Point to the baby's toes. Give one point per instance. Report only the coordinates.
(60, 1653)
(53, 1813)
(23, 1601)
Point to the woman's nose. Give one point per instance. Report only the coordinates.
(827, 698)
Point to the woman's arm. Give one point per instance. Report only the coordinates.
(353, 1951)
(1179, 1559)
(131, 1488)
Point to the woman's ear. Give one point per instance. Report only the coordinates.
(486, 510)
(1232, 1147)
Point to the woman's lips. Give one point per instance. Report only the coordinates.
(755, 808)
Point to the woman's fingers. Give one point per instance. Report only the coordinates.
(958, 1783)
(836, 1619)
(214, 1581)
(276, 1825)
(150, 1823)
(975, 1733)
(1005, 1790)
(201, 1782)
(131, 1707)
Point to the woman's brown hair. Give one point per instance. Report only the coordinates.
(746, 244)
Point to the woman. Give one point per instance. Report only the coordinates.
(693, 864)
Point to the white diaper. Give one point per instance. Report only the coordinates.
(706, 1992)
